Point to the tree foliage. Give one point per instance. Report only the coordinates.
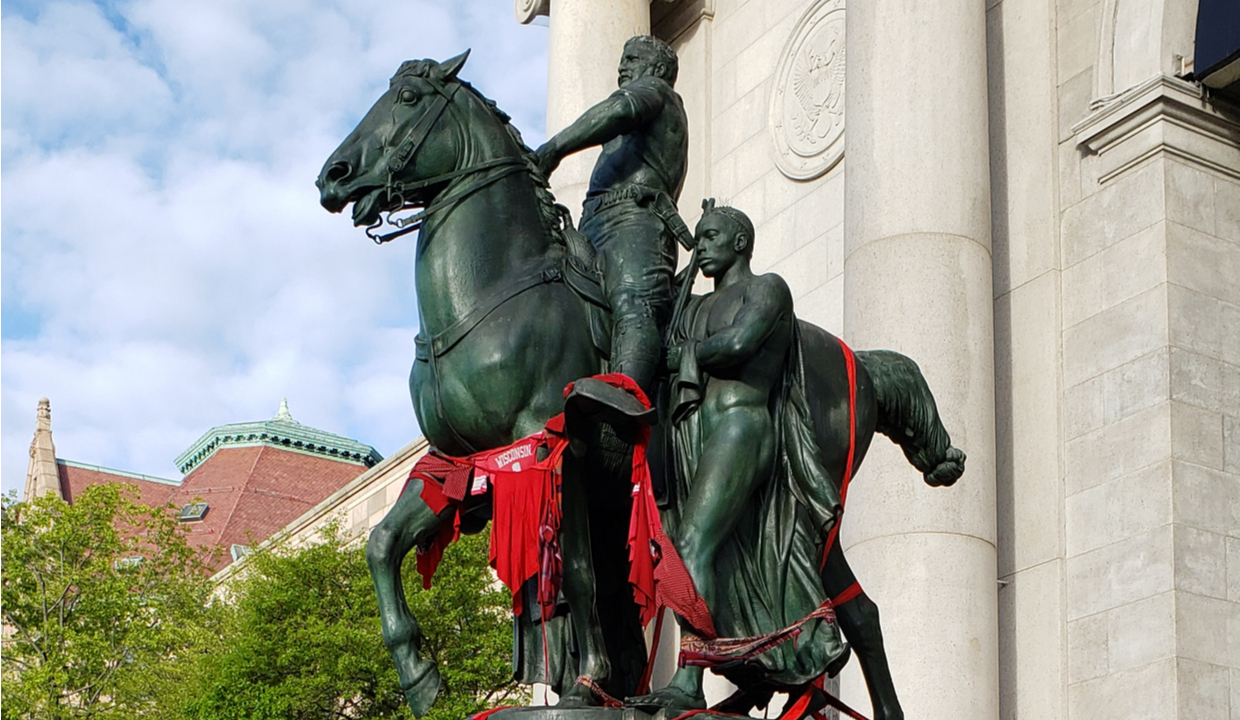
(92, 631)
(97, 596)
(302, 638)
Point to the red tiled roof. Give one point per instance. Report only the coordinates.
(252, 492)
(76, 478)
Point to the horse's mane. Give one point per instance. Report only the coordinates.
(551, 214)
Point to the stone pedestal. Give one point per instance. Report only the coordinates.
(587, 37)
(917, 279)
(596, 713)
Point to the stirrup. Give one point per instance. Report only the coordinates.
(605, 403)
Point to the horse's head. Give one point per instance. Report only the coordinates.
(411, 137)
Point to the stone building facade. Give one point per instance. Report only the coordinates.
(1040, 203)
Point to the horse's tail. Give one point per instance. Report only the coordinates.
(907, 414)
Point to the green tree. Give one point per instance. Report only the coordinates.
(302, 638)
(95, 595)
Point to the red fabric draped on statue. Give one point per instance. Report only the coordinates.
(525, 510)
(526, 519)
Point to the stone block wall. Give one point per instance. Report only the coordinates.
(1027, 297)
(1115, 240)
(1151, 380)
(728, 51)
(1117, 356)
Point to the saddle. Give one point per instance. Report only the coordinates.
(581, 274)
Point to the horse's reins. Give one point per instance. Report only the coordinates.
(407, 225)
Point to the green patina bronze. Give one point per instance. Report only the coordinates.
(756, 410)
(644, 135)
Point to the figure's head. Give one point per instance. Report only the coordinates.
(647, 55)
(724, 235)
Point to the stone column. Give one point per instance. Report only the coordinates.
(587, 37)
(917, 279)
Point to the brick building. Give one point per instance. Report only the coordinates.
(240, 482)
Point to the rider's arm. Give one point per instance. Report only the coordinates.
(625, 110)
(767, 302)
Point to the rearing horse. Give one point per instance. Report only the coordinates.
(501, 335)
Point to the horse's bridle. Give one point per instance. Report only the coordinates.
(405, 153)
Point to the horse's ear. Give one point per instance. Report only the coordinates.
(448, 69)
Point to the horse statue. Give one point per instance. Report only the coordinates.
(502, 334)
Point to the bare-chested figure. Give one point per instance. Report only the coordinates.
(745, 327)
(737, 523)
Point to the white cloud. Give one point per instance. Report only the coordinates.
(166, 266)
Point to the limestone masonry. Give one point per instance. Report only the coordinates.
(1039, 201)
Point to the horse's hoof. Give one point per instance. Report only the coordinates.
(949, 471)
(422, 691)
(742, 701)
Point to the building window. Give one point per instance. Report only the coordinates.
(124, 563)
(193, 511)
(239, 551)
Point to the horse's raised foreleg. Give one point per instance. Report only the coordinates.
(408, 522)
(858, 619)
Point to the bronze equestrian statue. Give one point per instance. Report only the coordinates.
(501, 335)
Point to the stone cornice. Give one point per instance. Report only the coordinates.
(278, 433)
(669, 19)
(1162, 115)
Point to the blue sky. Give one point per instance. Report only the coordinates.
(166, 266)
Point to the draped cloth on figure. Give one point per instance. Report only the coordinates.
(771, 560)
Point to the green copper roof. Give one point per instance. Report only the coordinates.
(282, 431)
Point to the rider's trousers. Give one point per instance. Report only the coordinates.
(637, 258)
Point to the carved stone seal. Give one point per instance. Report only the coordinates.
(807, 106)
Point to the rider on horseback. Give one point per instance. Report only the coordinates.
(644, 133)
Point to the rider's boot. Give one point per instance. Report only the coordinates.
(594, 401)
(587, 691)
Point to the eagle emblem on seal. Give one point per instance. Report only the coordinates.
(818, 85)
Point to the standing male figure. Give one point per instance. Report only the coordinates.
(644, 133)
(751, 503)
